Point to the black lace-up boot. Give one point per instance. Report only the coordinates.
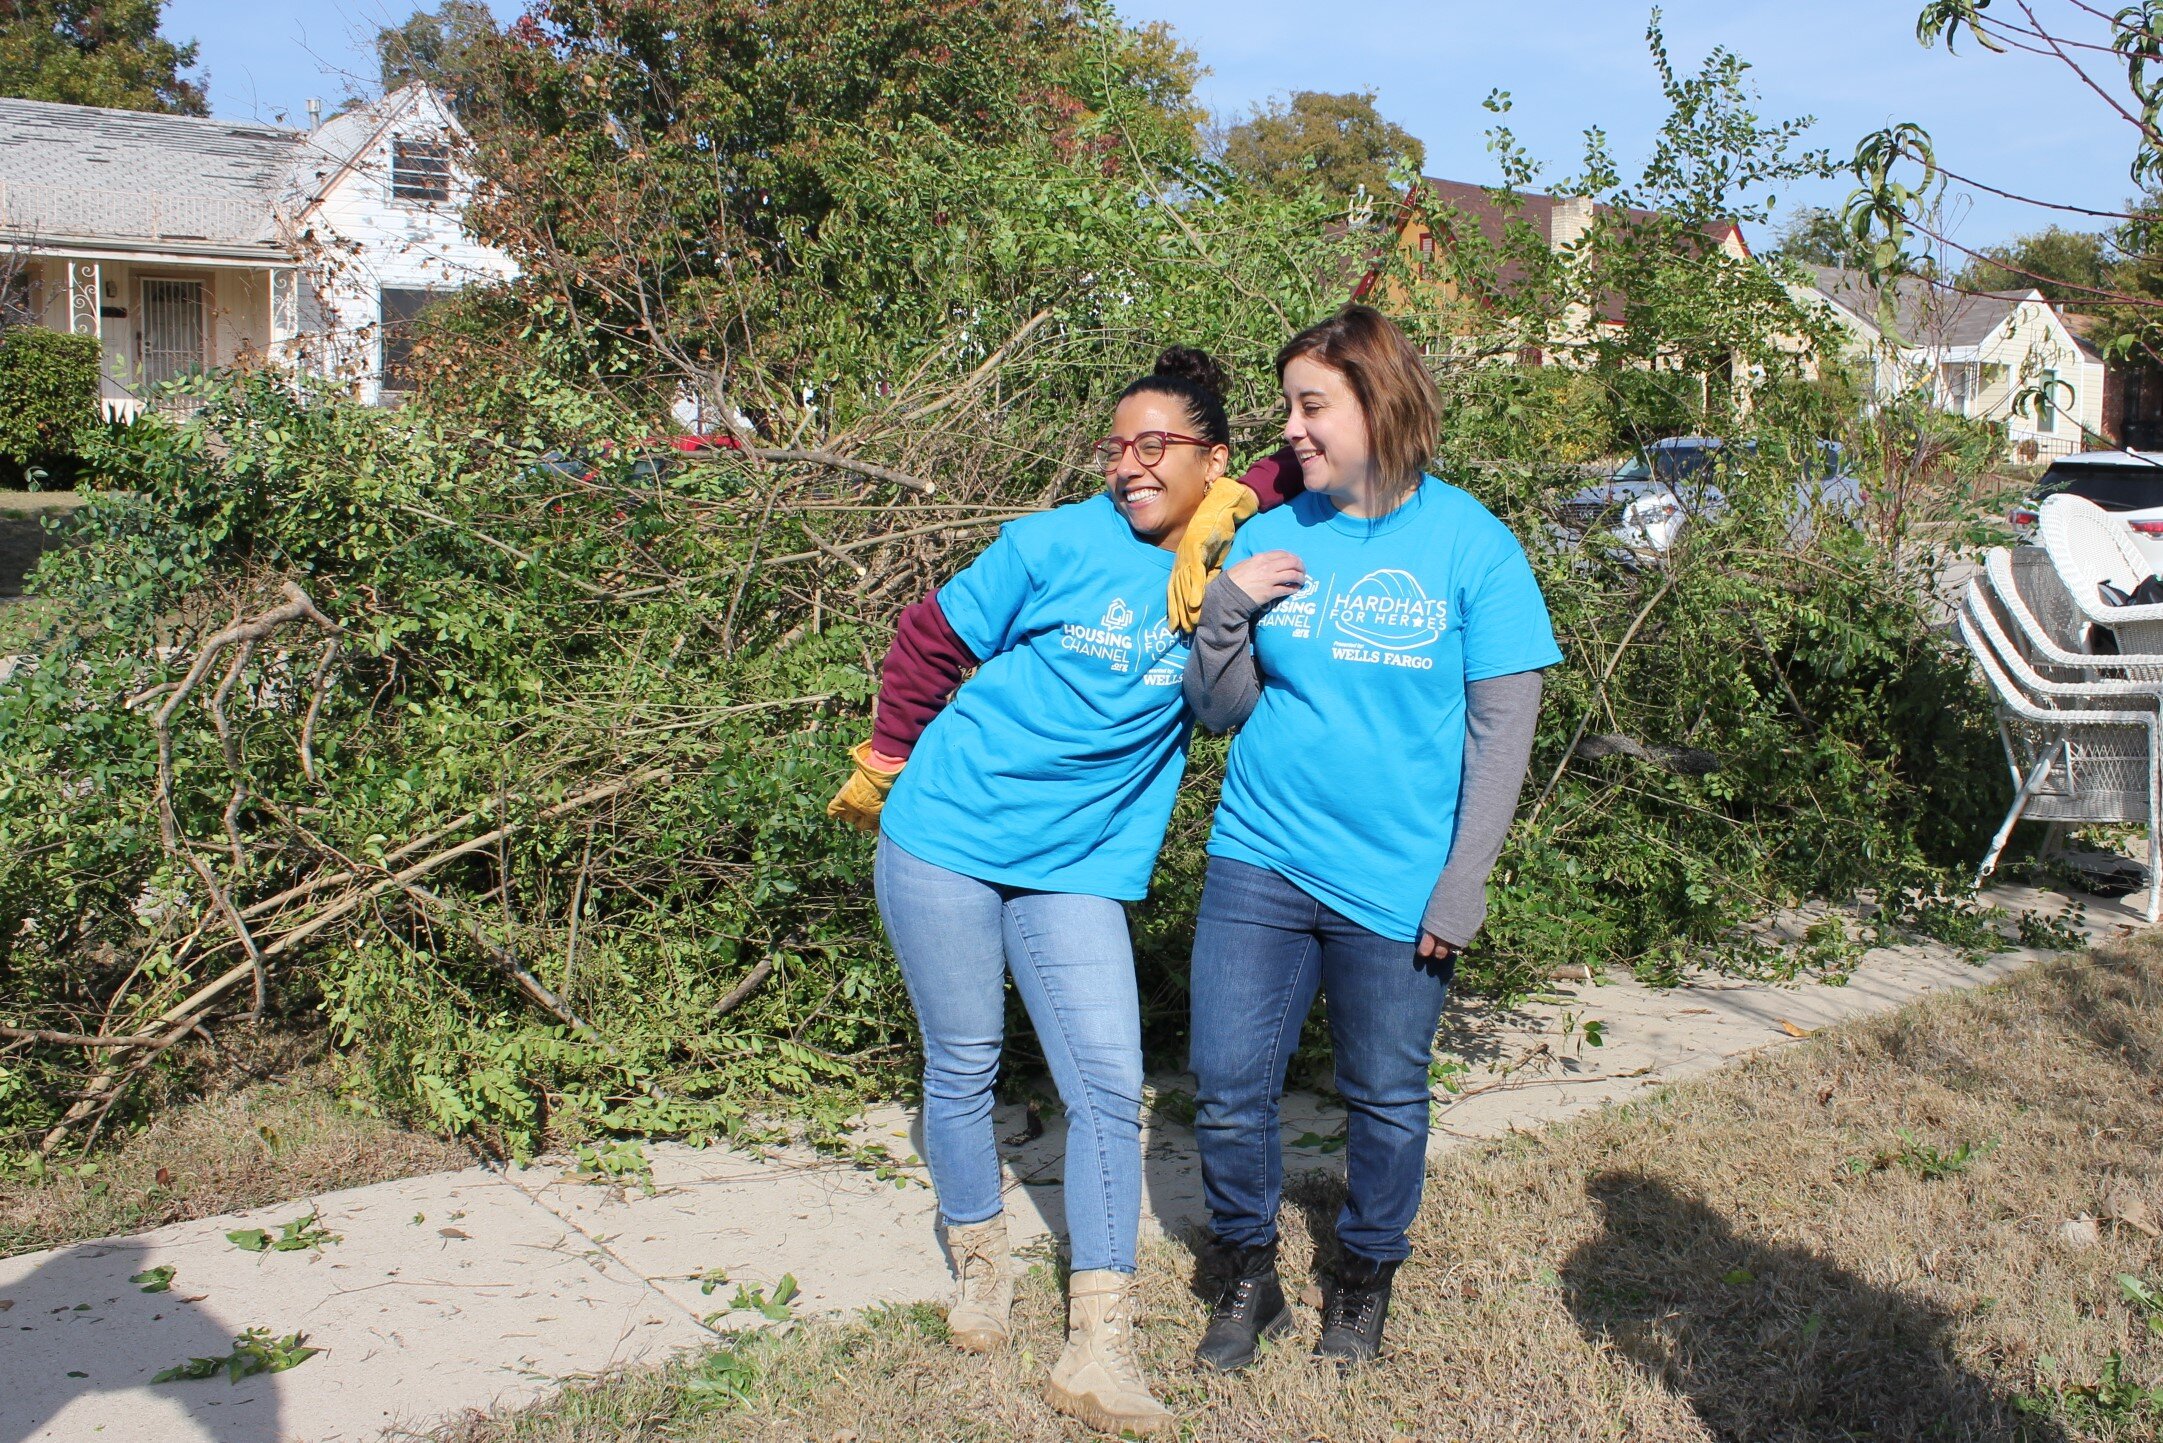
(1355, 1305)
(1249, 1307)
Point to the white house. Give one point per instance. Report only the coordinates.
(1974, 355)
(185, 243)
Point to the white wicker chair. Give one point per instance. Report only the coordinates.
(2082, 764)
(2065, 679)
(2088, 545)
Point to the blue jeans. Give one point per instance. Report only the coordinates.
(1262, 949)
(1073, 963)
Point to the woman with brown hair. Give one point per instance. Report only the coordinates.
(1378, 641)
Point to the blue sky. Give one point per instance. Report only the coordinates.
(2017, 122)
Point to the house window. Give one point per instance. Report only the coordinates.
(1958, 389)
(420, 170)
(18, 302)
(402, 309)
(2046, 403)
(1426, 243)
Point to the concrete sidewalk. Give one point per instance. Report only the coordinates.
(488, 1286)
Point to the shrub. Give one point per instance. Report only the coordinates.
(48, 401)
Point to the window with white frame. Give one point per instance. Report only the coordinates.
(2046, 403)
(420, 169)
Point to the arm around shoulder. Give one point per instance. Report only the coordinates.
(1222, 683)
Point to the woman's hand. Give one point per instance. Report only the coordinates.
(1433, 946)
(1269, 575)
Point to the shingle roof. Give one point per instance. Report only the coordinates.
(1925, 314)
(1537, 210)
(76, 170)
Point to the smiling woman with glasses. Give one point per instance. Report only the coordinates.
(1030, 810)
(1148, 447)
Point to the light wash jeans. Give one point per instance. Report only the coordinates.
(1073, 964)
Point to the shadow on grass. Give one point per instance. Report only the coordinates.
(1771, 1342)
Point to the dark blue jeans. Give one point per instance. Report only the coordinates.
(1262, 949)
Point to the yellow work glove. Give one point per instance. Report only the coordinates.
(1201, 550)
(864, 793)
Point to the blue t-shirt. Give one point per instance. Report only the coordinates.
(1345, 779)
(1055, 766)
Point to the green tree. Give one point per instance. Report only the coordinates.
(97, 52)
(668, 167)
(443, 48)
(1336, 142)
(1815, 236)
(2065, 265)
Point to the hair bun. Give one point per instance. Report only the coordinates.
(1200, 367)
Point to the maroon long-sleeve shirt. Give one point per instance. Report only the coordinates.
(927, 660)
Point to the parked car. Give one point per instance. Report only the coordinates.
(2127, 483)
(1652, 497)
(652, 458)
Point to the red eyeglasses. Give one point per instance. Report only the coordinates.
(1148, 447)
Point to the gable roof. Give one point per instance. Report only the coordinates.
(78, 171)
(82, 173)
(1492, 210)
(1926, 314)
(1538, 209)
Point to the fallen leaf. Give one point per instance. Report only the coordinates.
(1740, 1277)
(1695, 1012)
(1825, 1096)
(1792, 1030)
(1570, 972)
(154, 1280)
(74, 1374)
(6, 1303)
(460, 1233)
(165, 1177)
(2078, 1233)
(2134, 1213)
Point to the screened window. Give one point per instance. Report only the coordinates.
(420, 169)
(2046, 403)
(402, 310)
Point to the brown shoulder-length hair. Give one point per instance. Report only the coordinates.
(1393, 387)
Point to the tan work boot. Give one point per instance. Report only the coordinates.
(978, 1317)
(1096, 1379)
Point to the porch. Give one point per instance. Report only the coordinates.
(161, 318)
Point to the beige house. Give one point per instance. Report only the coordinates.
(1558, 220)
(186, 243)
(2002, 356)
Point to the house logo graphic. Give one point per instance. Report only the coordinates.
(1118, 616)
(1389, 610)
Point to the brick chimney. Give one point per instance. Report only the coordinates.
(1569, 220)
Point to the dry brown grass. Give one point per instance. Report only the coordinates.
(1760, 1255)
(268, 1127)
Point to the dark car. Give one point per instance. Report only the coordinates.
(2128, 483)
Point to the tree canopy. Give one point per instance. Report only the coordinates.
(97, 52)
(1815, 236)
(444, 47)
(1336, 142)
(2065, 265)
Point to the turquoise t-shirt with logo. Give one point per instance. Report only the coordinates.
(1345, 779)
(1055, 766)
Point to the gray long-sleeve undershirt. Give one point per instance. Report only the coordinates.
(1223, 683)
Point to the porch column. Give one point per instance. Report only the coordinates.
(86, 290)
(285, 314)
